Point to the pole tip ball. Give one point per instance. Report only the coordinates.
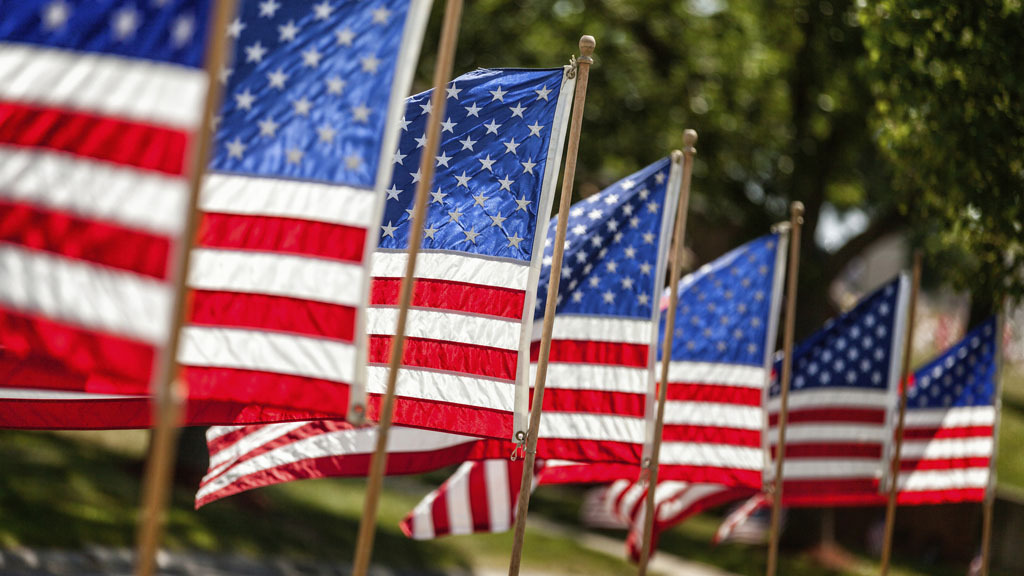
(797, 208)
(689, 137)
(587, 45)
(677, 156)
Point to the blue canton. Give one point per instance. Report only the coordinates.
(172, 31)
(851, 351)
(307, 92)
(611, 249)
(725, 307)
(963, 376)
(490, 167)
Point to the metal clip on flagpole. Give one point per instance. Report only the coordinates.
(587, 44)
(677, 254)
(894, 464)
(170, 392)
(442, 75)
(796, 220)
(988, 506)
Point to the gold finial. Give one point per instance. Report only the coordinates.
(587, 45)
(689, 139)
(797, 210)
(677, 156)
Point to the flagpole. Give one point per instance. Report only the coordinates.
(678, 247)
(442, 75)
(170, 392)
(587, 44)
(988, 506)
(894, 464)
(796, 221)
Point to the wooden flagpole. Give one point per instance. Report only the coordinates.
(170, 392)
(988, 506)
(442, 75)
(587, 45)
(678, 248)
(796, 221)
(894, 464)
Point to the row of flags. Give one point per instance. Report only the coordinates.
(304, 215)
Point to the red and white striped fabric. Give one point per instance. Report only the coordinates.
(739, 517)
(480, 497)
(97, 131)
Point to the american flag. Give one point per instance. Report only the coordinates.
(100, 105)
(280, 280)
(600, 375)
(947, 438)
(721, 353)
(469, 327)
(841, 402)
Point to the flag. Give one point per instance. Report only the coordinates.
(948, 435)
(842, 400)
(479, 497)
(468, 332)
(740, 520)
(721, 351)
(100, 108)
(280, 272)
(601, 365)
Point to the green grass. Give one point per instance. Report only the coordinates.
(1010, 467)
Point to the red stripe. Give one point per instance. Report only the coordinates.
(721, 394)
(130, 143)
(823, 486)
(593, 402)
(478, 489)
(850, 450)
(448, 356)
(958, 432)
(454, 418)
(514, 479)
(458, 296)
(924, 497)
(602, 473)
(84, 239)
(711, 435)
(43, 353)
(580, 450)
(710, 475)
(282, 235)
(295, 393)
(839, 498)
(439, 514)
(831, 415)
(588, 352)
(713, 500)
(275, 313)
(945, 463)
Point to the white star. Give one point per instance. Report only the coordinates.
(612, 266)
(56, 15)
(388, 229)
(642, 299)
(405, 124)
(535, 129)
(579, 230)
(528, 166)
(463, 180)
(345, 36)
(630, 252)
(595, 214)
(448, 125)
(438, 197)
(125, 23)
(322, 11)
(294, 156)
(302, 106)
(287, 32)
(609, 297)
(361, 114)
(542, 94)
(370, 64)
(224, 74)
(326, 133)
(517, 110)
(659, 177)
(255, 52)
(236, 149)
(268, 8)
(492, 128)
(399, 157)
(235, 28)
(311, 58)
(498, 220)
(511, 146)
(421, 141)
(577, 297)
(611, 199)
(335, 85)
(486, 163)
(454, 215)
(506, 183)
(453, 92)
(393, 192)
(244, 100)
(416, 176)
(479, 199)
(429, 232)
(645, 268)
(498, 94)
(628, 185)
(522, 203)
(513, 241)
(183, 29)
(268, 127)
(277, 78)
(428, 107)
(353, 162)
(381, 15)
(648, 237)
(627, 283)
(443, 159)
(468, 143)
(473, 110)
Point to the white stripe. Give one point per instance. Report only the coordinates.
(443, 387)
(277, 275)
(951, 417)
(460, 517)
(91, 296)
(598, 329)
(258, 437)
(601, 427)
(837, 397)
(267, 352)
(960, 478)
(716, 373)
(604, 378)
(946, 448)
(693, 494)
(214, 432)
(447, 326)
(713, 455)
(831, 468)
(797, 433)
(136, 89)
(713, 414)
(630, 501)
(42, 394)
(423, 517)
(499, 494)
(261, 196)
(465, 268)
(131, 198)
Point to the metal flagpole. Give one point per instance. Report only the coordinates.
(894, 464)
(988, 507)
(796, 220)
(442, 75)
(170, 392)
(587, 44)
(678, 247)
